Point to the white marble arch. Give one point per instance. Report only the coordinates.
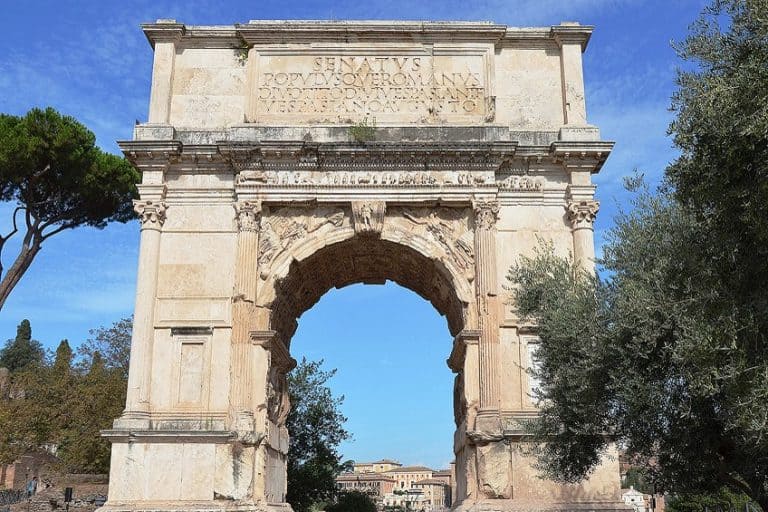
(231, 255)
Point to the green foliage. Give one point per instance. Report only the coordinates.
(111, 344)
(241, 50)
(22, 350)
(721, 129)
(101, 391)
(636, 478)
(316, 426)
(363, 132)
(65, 403)
(51, 169)
(352, 501)
(642, 356)
(668, 354)
(723, 500)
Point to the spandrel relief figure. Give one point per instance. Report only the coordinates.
(443, 232)
(296, 230)
(269, 243)
(286, 226)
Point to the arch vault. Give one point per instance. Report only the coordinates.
(282, 159)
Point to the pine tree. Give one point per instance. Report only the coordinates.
(22, 350)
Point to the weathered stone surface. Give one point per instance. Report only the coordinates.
(282, 159)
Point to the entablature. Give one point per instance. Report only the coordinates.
(281, 170)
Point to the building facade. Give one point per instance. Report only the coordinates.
(373, 484)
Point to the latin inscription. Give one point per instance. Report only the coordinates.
(339, 87)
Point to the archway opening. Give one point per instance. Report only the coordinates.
(365, 260)
(388, 347)
(370, 261)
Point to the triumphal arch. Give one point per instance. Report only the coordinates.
(283, 158)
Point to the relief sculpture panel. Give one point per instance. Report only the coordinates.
(449, 228)
(283, 227)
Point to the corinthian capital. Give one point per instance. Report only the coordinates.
(151, 213)
(582, 214)
(248, 215)
(486, 214)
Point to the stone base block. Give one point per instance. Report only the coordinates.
(538, 506)
(194, 506)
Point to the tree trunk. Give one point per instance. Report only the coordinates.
(20, 265)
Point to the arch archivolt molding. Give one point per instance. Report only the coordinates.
(294, 233)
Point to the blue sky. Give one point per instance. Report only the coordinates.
(90, 59)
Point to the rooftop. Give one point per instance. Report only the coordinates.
(409, 469)
(382, 461)
(354, 477)
(429, 481)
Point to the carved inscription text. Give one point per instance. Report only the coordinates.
(349, 85)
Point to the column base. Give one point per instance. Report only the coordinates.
(512, 505)
(133, 420)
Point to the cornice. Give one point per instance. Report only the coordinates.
(404, 156)
(277, 32)
(169, 436)
(389, 156)
(139, 151)
(289, 31)
(582, 155)
(572, 33)
(163, 31)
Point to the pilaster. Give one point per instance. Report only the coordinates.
(248, 217)
(153, 161)
(486, 215)
(572, 39)
(163, 35)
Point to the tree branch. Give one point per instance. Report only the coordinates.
(4, 239)
(15, 229)
(67, 225)
(735, 483)
(28, 221)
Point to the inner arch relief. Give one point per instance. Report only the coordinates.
(422, 153)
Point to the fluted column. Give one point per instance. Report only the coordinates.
(246, 275)
(152, 216)
(581, 215)
(486, 214)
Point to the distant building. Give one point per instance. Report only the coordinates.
(379, 466)
(391, 484)
(635, 499)
(436, 492)
(406, 476)
(444, 475)
(410, 499)
(373, 484)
